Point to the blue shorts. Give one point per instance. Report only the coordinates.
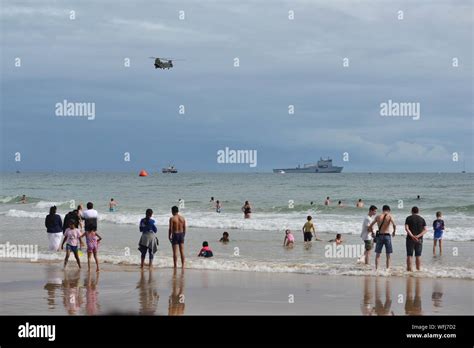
(438, 234)
(71, 248)
(383, 239)
(177, 238)
(413, 246)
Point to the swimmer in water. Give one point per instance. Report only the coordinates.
(225, 238)
(247, 210)
(218, 206)
(338, 239)
(23, 199)
(112, 205)
(327, 201)
(360, 203)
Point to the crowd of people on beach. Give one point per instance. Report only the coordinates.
(80, 223)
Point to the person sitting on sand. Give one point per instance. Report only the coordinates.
(338, 239)
(360, 203)
(148, 241)
(289, 239)
(438, 229)
(225, 238)
(73, 237)
(205, 251)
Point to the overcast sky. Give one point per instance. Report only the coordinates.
(282, 62)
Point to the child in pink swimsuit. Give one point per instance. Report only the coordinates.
(289, 239)
(92, 241)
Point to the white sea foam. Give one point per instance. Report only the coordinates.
(328, 223)
(352, 269)
(48, 204)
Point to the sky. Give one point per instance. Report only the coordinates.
(402, 51)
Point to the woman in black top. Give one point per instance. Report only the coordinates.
(54, 227)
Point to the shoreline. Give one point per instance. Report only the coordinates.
(44, 289)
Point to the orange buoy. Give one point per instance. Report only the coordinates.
(143, 173)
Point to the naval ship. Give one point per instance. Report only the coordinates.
(169, 169)
(323, 166)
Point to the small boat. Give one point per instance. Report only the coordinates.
(169, 169)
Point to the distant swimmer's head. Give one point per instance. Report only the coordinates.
(309, 218)
(360, 199)
(338, 236)
(205, 244)
(174, 210)
(385, 208)
(52, 210)
(89, 205)
(439, 214)
(111, 199)
(327, 197)
(340, 202)
(149, 213)
(246, 202)
(225, 234)
(415, 210)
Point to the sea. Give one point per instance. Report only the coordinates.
(279, 202)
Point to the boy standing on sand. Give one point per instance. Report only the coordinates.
(176, 233)
(382, 236)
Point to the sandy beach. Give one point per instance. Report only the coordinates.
(44, 288)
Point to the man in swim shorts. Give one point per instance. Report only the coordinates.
(176, 233)
(382, 236)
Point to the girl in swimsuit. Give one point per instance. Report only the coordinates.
(289, 239)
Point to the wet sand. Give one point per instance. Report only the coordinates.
(46, 289)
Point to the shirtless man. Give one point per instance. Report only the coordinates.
(327, 201)
(383, 237)
(176, 233)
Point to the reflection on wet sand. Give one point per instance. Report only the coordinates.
(92, 295)
(382, 302)
(72, 293)
(384, 308)
(53, 282)
(437, 295)
(413, 300)
(148, 294)
(177, 299)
